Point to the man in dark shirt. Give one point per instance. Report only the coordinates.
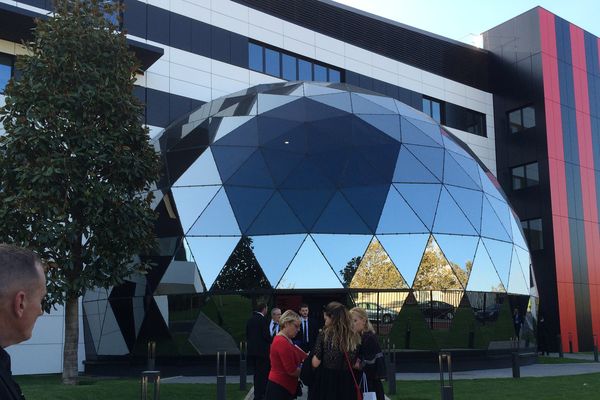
(22, 289)
(259, 341)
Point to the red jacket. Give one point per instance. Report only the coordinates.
(285, 360)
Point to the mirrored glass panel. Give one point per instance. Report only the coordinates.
(316, 90)
(410, 330)
(439, 307)
(383, 101)
(183, 252)
(422, 198)
(280, 164)
(343, 252)
(255, 57)
(340, 217)
(307, 204)
(254, 172)
(211, 253)
(275, 252)
(449, 217)
(217, 218)
(241, 271)
(180, 277)
(338, 100)
(431, 157)
(267, 102)
(470, 202)
(191, 201)
(276, 218)
(290, 69)
(307, 175)
(320, 73)
(334, 75)
(406, 252)
(451, 145)
(362, 105)
(517, 233)
(470, 166)
(309, 270)
(503, 213)
(489, 184)
(229, 158)
(409, 169)
(484, 277)
(368, 202)
(429, 129)
(389, 124)
(459, 250)
(411, 134)
(202, 172)
(434, 271)
(377, 271)
(454, 174)
(398, 217)
(500, 253)
(231, 124)
(516, 279)
(304, 70)
(525, 262)
(247, 203)
(272, 62)
(490, 224)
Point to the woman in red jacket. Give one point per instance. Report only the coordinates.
(286, 359)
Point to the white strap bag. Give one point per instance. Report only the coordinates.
(365, 388)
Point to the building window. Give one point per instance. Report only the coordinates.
(433, 108)
(525, 176)
(288, 66)
(455, 116)
(521, 119)
(6, 70)
(533, 233)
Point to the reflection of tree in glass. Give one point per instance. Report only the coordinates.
(242, 271)
(350, 269)
(376, 270)
(435, 273)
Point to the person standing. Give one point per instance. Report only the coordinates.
(308, 330)
(22, 289)
(335, 357)
(369, 353)
(259, 340)
(274, 326)
(286, 359)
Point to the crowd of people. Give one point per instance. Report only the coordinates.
(289, 353)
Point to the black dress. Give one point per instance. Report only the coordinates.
(333, 378)
(368, 353)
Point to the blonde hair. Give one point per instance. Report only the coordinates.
(287, 317)
(339, 331)
(362, 314)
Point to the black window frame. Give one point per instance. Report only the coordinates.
(525, 178)
(520, 128)
(429, 112)
(538, 243)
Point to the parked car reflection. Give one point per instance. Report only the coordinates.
(385, 315)
(436, 309)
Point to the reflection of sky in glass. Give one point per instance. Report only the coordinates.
(340, 249)
(211, 254)
(217, 218)
(458, 249)
(516, 280)
(274, 253)
(483, 276)
(500, 253)
(406, 252)
(191, 201)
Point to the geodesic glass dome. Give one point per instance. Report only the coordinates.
(322, 186)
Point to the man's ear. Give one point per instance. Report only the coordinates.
(19, 303)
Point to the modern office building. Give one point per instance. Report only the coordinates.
(526, 105)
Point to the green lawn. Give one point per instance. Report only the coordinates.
(580, 387)
(48, 387)
(556, 360)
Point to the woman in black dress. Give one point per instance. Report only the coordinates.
(369, 351)
(335, 357)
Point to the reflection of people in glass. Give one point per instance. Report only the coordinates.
(286, 359)
(369, 351)
(259, 340)
(274, 325)
(308, 330)
(517, 321)
(335, 351)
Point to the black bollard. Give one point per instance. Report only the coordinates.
(570, 343)
(243, 365)
(407, 337)
(560, 348)
(446, 386)
(516, 365)
(391, 370)
(221, 377)
(595, 348)
(151, 365)
(152, 377)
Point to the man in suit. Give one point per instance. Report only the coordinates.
(308, 330)
(274, 324)
(259, 341)
(22, 289)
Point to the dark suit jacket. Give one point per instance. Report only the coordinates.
(313, 331)
(257, 335)
(9, 390)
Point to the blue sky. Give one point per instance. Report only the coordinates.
(462, 19)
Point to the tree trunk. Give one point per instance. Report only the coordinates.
(70, 368)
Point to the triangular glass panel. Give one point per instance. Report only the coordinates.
(311, 90)
(449, 218)
(332, 164)
(377, 271)
(254, 172)
(267, 102)
(525, 261)
(242, 271)
(362, 103)
(360, 172)
(398, 217)
(202, 172)
(490, 224)
(94, 313)
(484, 277)
(451, 145)
(470, 166)
(388, 124)
(407, 111)
(275, 252)
(307, 204)
(217, 218)
(500, 253)
(191, 201)
(430, 128)
(247, 202)
(368, 202)
(455, 175)
(410, 319)
(184, 253)
(316, 111)
(280, 163)
(431, 157)
(517, 232)
(343, 252)
(459, 250)
(309, 270)
(435, 273)
(162, 303)
(329, 134)
(297, 91)
(112, 341)
(411, 134)
(276, 218)
(340, 217)
(277, 131)
(516, 280)
(339, 100)
(490, 184)
(409, 169)
(422, 198)
(229, 158)
(211, 253)
(406, 252)
(285, 89)
(470, 201)
(244, 137)
(503, 213)
(307, 176)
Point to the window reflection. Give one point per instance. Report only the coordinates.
(521, 119)
(533, 233)
(525, 176)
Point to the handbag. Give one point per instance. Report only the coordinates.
(356, 387)
(307, 372)
(366, 395)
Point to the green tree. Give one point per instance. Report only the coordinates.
(350, 269)
(377, 271)
(435, 273)
(242, 271)
(75, 158)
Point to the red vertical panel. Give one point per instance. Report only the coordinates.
(564, 270)
(586, 158)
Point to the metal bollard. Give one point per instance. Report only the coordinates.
(151, 365)
(243, 364)
(391, 371)
(595, 348)
(570, 343)
(446, 386)
(516, 364)
(221, 378)
(154, 377)
(560, 347)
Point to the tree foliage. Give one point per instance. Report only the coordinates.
(350, 269)
(376, 270)
(75, 154)
(436, 273)
(242, 271)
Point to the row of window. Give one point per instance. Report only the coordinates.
(524, 176)
(533, 233)
(6, 69)
(289, 67)
(455, 116)
(521, 119)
